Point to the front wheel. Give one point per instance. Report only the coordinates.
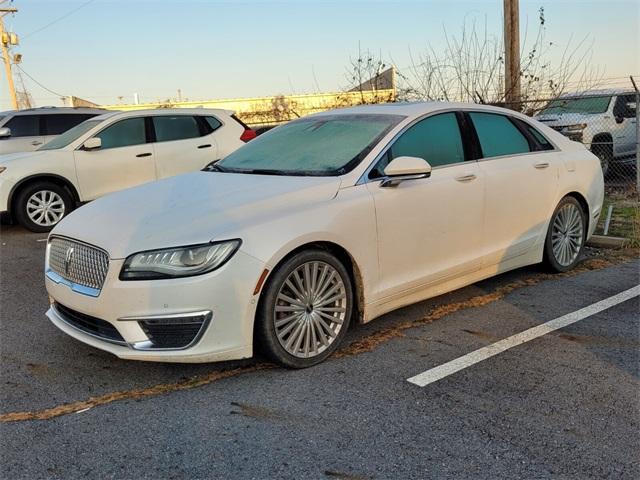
(41, 205)
(566, 235)
(306, 309)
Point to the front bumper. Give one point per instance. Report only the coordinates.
(226, 295)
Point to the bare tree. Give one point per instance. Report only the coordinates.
(470, 68)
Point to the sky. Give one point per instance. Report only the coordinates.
(105, 49)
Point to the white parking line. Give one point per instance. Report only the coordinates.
(446, 369)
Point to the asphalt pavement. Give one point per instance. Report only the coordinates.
(563, 405)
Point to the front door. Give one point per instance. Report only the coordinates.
(429, 229)
(124, 160)
(624, 134)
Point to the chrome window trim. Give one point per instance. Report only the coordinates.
(147, 345)
(364, 178)
(61, 317)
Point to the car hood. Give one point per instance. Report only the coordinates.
(9, 158)
(567, 118)
(190, 209)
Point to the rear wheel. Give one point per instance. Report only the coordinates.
(306, 309)
(41, 205)
(566, 235)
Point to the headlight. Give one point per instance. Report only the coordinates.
(578, 127)
(178, 262)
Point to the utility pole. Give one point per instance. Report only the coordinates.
(512, 53)
(5, 40)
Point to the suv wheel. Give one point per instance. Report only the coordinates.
(41, 205)
(605, 154)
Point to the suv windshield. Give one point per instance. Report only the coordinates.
(69, 136)
(326, 145)
(577, 105)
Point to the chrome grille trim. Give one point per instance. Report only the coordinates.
(82, 266)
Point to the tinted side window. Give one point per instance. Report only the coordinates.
(123, 133)
(177, 127)
(436, 139)
(24, 126)
(625, 106)
(539, 141)
(498, 135)
(213, 122)
(61, 122)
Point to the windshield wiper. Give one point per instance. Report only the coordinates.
(214, 167)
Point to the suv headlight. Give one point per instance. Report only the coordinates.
(179, 261)
(578, 127)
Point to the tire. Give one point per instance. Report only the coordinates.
(40, 206)
(290, 328)
(605, 153)
(566, 236)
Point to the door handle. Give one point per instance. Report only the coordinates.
(148, 154)
(466, 178)
(36, 142)
(207, 145)
(541, 165)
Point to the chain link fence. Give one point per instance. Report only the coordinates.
(606, 122)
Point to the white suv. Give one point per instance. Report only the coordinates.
(603, 120)
(112, 152)
(28, 130)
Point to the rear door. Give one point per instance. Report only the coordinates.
(26, 134)
(124, 160)
(58, 123)
(183, 143)
(521, 181)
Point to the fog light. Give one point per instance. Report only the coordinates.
(174, 331)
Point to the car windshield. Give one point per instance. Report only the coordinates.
(326, 145)
(70, 135)
(577, 105)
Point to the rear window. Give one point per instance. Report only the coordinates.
(178, 127)
(498, 136)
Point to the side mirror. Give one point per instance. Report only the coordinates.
(401, 169)
(92, 144)
(5, 132)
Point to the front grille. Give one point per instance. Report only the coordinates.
(178, 332)
(78, 262)
(88, 324)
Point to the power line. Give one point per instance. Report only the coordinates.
(69, 13)
(38, 83)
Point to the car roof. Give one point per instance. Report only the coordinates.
(413, 109)
(53, 110)
(598, 93)
(166, 111)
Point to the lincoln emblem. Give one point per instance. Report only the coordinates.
(67, 259)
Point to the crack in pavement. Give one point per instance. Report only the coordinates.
(367, 344)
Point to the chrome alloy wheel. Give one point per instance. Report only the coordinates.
(45, 208)
(567, 234)
(310, 309)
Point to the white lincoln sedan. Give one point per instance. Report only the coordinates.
(334, 218)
